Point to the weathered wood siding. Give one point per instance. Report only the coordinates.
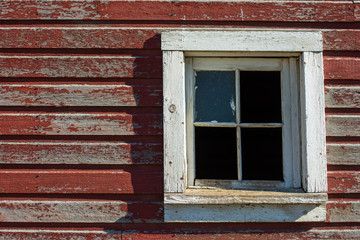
(81, 115)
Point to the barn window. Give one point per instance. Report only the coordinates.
(244, 134)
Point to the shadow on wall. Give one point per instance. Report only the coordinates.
(145, 203)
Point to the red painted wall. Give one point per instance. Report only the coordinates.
(80, 116)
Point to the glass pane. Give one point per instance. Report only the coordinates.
(215, 153)
(215, 96)
(261, 153)
(260, 97)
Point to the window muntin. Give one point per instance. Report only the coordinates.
(229, 115)
(184, 203)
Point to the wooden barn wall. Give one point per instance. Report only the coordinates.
(81, 115)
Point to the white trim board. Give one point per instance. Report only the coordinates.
(270, 41)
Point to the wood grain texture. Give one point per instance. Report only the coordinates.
(342, 40)
(180, 234)
(130, 181)
(343, 153)
(342, 96)
(79, 95)
(351, 233)
(313, 123)
(344, 182)
(131, 38)
(79, 152)
(80, 66)
(79, 37)
(276, 41)
(343, 125)
(344, 211)
(189, 10)
(244, 213)
(175, 169)
(342, 68)
(80, 124)
(35, 211)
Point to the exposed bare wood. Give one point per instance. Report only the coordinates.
(79, 124)
(79, 37)
(341, 233)
(79, 95)
(275, 41)
(144, 180)
(80, 211)
(218, 196)
(342, 40)
(313, 122)
(343, 153)
(190, 10)
(342, 96)
(175, 170)
(344, 211)
(343, 125)
(80, 66)
(179, 234)
(244, 213)
(80, 152)
(342, 68)
(344, 182)
(144, 38)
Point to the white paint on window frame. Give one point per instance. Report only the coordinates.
(312, 163)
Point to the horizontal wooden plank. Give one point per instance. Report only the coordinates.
(182, 234)
(131, 38)
(127, 67)
(145, 180)
(80, 211)
(341, 68)
(189, 10)
(256, 234)
(79, 152)
(81, 66)
(343, 153)
(79, 37)
(342, 40)
(343, 182)
(345, 211)
(342, 96)
(343, 125)
(80, 124)
(79, 95)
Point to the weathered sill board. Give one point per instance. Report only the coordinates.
(342, 68)
(189, 10)
(346, 211)
(80, 211)
(180, 234)
(136, 38)
(81, 66)
(245, 213)
(128, 67)
(343, 153)
(144, 180)
(343, 125)
(80, 124)
(79, 95)
(342, 96)
(343, 182)
(65, 152)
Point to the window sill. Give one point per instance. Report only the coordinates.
(219, 205)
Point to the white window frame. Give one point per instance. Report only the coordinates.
(186, 203)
